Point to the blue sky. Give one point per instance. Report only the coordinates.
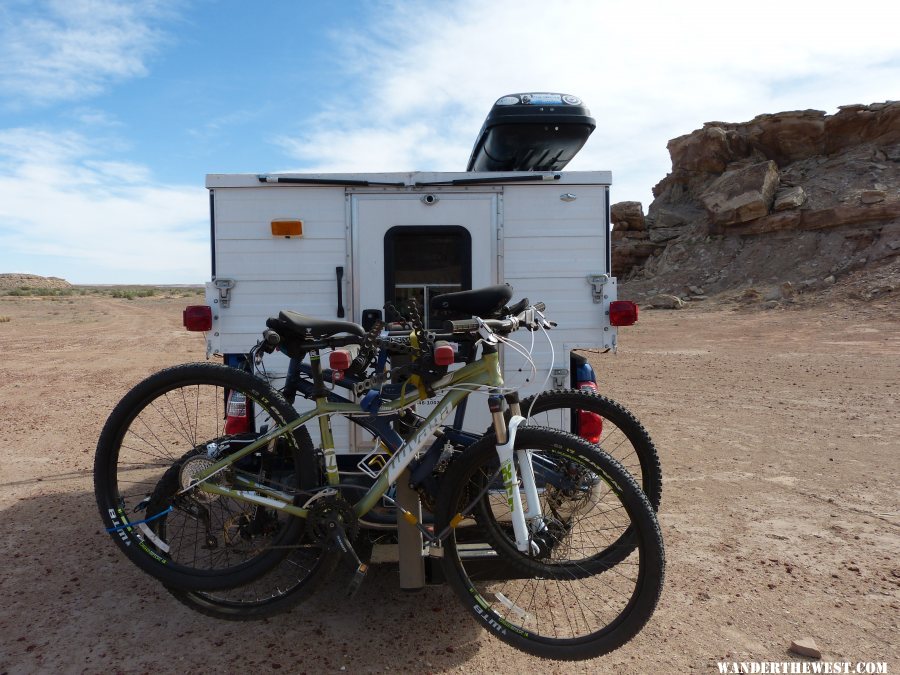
(111, 113)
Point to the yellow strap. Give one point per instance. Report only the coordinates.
(415, 380)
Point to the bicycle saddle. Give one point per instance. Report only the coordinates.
(301, 326)
(482, 302)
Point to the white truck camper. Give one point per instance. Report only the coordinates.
(344, 245)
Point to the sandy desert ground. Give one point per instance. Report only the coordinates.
(778, 432)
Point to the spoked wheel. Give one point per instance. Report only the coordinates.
(161, 436)
(605, 423)
(289, 584)
(594, 571)
(277, 591)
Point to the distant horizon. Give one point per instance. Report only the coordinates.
(51, 276)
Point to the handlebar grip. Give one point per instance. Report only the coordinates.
(517, 308)
(271, 339)
(462, 326)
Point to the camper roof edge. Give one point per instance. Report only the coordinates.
(237, 180)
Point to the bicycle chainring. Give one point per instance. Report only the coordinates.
(327, 512)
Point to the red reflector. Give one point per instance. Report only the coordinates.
(444, 355)
(197, 317)
(237, 419)
(339, 359)
(590, 424)
(623, 313)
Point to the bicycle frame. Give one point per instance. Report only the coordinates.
(483, 372)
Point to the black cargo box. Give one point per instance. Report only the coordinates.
(532, 132)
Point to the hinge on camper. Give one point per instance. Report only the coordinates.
(560, 378)
(597, 281)
(224, 286)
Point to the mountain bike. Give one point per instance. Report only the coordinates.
(204, 508)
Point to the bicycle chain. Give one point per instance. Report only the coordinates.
(395, 345)
(368, 351)
(426, 342)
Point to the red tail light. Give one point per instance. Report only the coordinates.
(444, 355)
(590, 424)
(237, 414)
(623, 313)
(339, 359)
(197, 318)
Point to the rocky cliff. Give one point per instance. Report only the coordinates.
(10, 282)
(785, 203)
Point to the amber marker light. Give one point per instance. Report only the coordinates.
(287, 228)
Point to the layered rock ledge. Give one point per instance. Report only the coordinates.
(789, 197)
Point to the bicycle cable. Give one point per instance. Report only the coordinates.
(549, 370)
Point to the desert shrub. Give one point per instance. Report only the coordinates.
(29, 291)
(132, 293)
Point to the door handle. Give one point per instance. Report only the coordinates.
(339, 272)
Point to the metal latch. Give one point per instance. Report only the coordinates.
(224, 286)
(597, 281)
(560, 377)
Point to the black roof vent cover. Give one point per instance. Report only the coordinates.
(532, 132)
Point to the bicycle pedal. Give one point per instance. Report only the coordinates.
(358, 577)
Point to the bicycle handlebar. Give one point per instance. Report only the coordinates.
(271, 339)
(507, 325)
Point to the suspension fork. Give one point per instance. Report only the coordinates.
(506, 440)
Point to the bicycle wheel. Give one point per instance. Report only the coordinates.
(563, 599)
(603, 422)
(284, 587)
(167, 429)
(291, 582)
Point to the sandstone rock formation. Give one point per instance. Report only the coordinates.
(12, 281)
(791, 197)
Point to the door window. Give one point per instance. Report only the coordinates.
(422, 262)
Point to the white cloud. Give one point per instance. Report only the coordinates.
(424, 76)
(72, 49)
(93, 220)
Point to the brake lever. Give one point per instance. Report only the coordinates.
(485, 333)
(534, 320)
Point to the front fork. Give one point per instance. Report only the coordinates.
(506, 440)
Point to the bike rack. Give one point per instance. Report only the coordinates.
(409, 539)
